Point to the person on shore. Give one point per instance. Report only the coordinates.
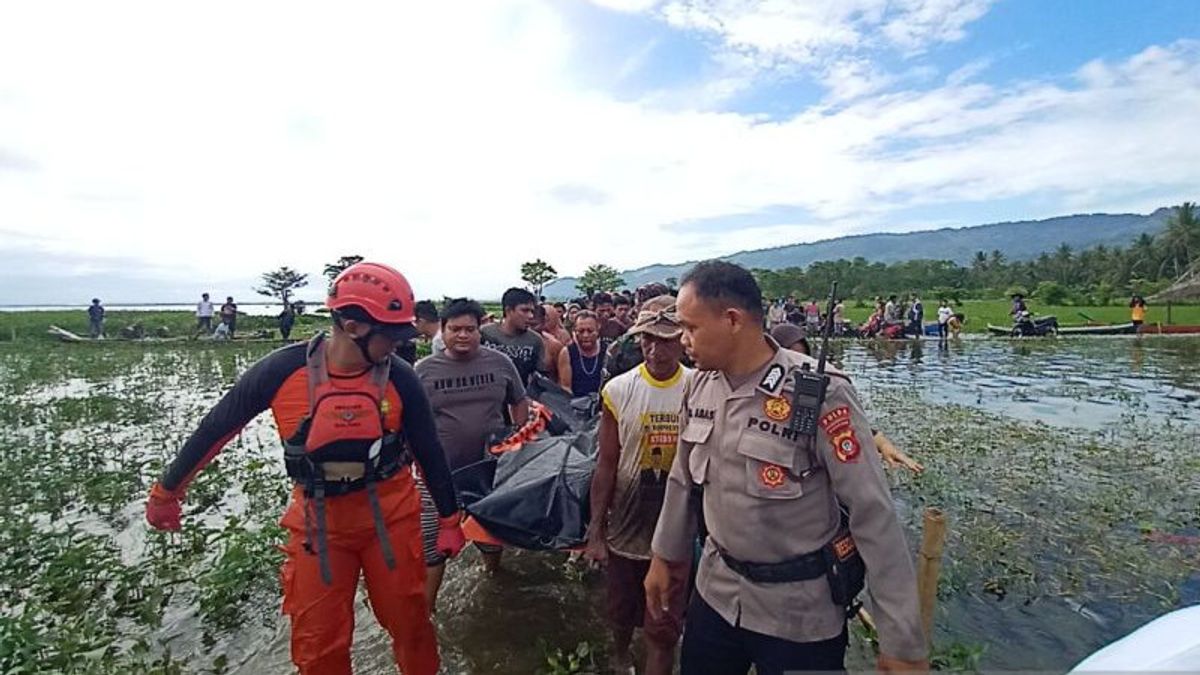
(812, 316)
(891, 311)
(204, 315)
(287, 319)
(945, 313)
(1018, 306)
(229, 316)
(776, 314)
(639, 429)
(471, 390)
(766, 592)
(96, 319)
(1137, 310)
(351, 418)
(513, 337)
(581, 364)
(916, 316)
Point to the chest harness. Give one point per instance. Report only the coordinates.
(346, 425)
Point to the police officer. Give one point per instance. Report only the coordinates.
(775, 503)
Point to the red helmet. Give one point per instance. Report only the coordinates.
(381, 291)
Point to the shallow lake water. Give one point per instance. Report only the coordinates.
(1068, 470)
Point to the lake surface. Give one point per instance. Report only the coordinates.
(1068, 470)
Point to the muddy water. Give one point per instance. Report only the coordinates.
(1068, 469)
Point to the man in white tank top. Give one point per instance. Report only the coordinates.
(639, 429)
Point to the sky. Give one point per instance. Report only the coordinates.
(150, 151)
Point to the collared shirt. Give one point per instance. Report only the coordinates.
(759, 509)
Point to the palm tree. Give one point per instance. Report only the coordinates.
(1181, 240)
(1064, 264)
(1143, 255)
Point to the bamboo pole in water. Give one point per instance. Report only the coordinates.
(929, 566)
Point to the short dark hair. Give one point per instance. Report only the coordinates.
(562, 308)
(622, 300)
(462, 307)
(515, 297)
(426, 310)
(726, 282)
(587, 314)
(539, 312)
(601, 298)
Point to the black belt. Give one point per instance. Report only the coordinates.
(805, 567)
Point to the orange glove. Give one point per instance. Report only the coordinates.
(163, 510)
(450, 539)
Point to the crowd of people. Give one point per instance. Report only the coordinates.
(701, 466)
(892, 318)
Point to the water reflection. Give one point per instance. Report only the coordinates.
(1087, 383)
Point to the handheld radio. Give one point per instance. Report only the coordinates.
(809, 393)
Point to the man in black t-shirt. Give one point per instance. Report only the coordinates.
(513, 337)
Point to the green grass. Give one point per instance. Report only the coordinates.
(982, 312)
(32, 325)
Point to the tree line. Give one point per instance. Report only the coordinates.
(1094, 276)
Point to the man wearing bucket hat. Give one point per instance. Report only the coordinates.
(352, 418)
(639, 428)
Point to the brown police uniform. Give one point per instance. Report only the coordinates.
(763, 505)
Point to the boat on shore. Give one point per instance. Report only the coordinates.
(1160, 329)
(1101, 329)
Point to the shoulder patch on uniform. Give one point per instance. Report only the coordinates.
(772, 379)
(837, 425)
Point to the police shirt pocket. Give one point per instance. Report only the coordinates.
(770, 468)
(697, 432)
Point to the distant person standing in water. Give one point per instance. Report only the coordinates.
(1137, 310)
(229, 315)
(287, 319)
(96, 319)
(204, 315)
(945, 313)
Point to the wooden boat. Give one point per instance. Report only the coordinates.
(1160, 329)
(1102, 329)
(1111, 329)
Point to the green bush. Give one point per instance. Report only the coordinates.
(1050, 293)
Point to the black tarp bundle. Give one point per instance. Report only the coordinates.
(537, 497)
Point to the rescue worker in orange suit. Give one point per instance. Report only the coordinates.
(352, 419)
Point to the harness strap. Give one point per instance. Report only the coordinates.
(385, 544)
(322, 542)
(315, 368)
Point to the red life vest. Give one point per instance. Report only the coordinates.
(346, 426)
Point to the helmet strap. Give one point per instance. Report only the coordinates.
(361, 342)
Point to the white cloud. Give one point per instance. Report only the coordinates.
(627, 5)
(813, 30)
(226, 139)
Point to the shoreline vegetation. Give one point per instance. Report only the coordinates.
(32, 324)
